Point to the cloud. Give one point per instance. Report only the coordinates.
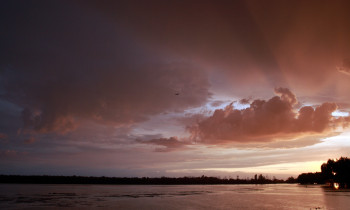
(30, 140)
(266, 121)
(286, 95)
(167, 144)
(84, 67)
(117, 98)
(44, 122)
(3, 136)
(244, 101)
(216, 103)
(8, 153)
(345, 69)
(244, 42)
(120, 69)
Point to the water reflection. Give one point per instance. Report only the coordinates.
(279, 196)
(336, 198)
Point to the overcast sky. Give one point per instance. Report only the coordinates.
(173, 88)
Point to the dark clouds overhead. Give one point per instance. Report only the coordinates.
(221, 35)
(64, 63)
(120, 62)
(295, 44)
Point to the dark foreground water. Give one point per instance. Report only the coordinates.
(279, 196)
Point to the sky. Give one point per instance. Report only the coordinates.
(173, 88)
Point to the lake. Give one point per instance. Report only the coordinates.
(273, 196)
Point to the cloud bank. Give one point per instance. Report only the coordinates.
(268, 120)
(112, 97)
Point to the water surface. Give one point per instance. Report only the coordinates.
(274, 196)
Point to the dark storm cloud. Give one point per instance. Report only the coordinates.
(121, 61)
(63, 63)
(270, 43)
(220, 34)
(266, 121)
(249, 44)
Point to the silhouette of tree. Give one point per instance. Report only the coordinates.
(337, 171)
(334, 171)
(291, 180)
(135, 180)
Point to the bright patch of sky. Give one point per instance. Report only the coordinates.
(338, 113)
(284, 168)
(336, 141)
(240, 106)
(209, 108)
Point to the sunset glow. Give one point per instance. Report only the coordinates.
(173, 88)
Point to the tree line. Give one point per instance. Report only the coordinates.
(333, 171)
(258, 179)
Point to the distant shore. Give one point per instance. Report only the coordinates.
(21, 179)
(334, 173)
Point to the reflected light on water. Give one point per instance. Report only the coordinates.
(148, 197)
